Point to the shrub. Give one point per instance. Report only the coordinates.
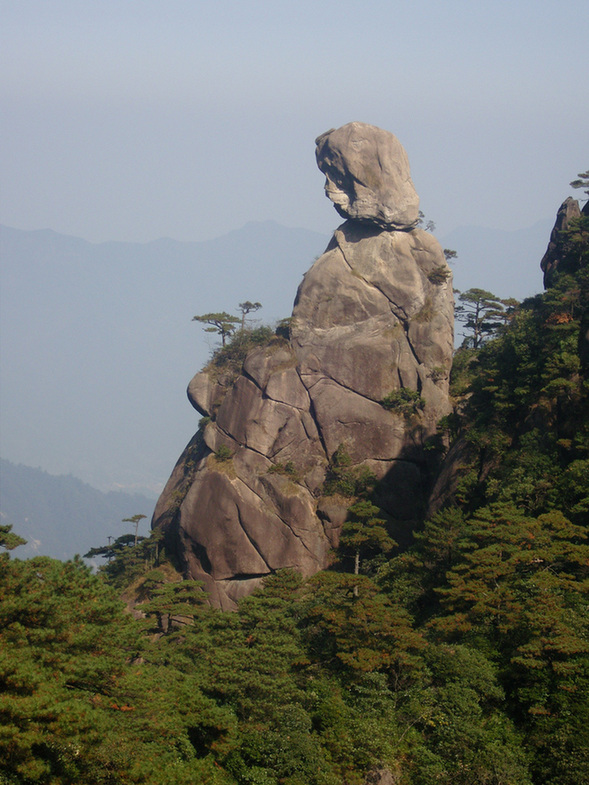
(283, 328)
(234, 353)
(438, 275)
(288, 469)
(223, 453)
(404, 401)
(203, 422)
(345, 479)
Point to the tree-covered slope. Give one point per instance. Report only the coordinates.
(461, 660)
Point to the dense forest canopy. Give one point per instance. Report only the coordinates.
(460, 660)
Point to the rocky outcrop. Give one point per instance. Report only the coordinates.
(567, 211)
(560, 258)
(365, 371)
(367, 176)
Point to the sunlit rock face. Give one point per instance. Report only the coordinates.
(551, 261)
(367, 176)
(373, 315)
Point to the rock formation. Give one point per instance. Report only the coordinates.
(568, 211)
(364, 373)
(559, 259)
(367, 176)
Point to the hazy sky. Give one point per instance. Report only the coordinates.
(140, 119)
(137, 119)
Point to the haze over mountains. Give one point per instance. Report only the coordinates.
(97, 343)
(60, 516)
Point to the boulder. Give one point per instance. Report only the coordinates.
(367, 176)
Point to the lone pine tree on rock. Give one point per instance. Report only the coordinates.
(245, 308)
(221, 323)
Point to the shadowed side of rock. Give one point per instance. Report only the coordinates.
(551, 261)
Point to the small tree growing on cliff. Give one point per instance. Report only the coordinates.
(135, 519)
(364, 534)
(245, 308)
(582, 181)
(222, 324)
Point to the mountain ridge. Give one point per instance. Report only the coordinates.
(59, 515)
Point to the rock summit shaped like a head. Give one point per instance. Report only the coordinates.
(367, 176)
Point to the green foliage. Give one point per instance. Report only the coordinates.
(73, 708)
(221, 323)
(460, 722)
(439, 275)
(482, 313)
(350, 625)
(582, 181)
(428, 224)
(283, 328)
(287, 469)
(245, 308)
(521, 399)
(347, 480)
(8, 539)
(128, 557)
(224, 453)
(574, 250)
(517, 589)
(230, 356)
(403, 401)
(170, 604)
(365, 535)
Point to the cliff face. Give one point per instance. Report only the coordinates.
(539, 386)
(552, 260)
(372, 317)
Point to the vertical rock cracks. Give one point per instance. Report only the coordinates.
(373, 315)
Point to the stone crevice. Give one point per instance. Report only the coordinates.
(280, 518)
(357, 333)
(313, 415)
(246, 576)
(250, 540)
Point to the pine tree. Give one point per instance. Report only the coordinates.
(482, 313)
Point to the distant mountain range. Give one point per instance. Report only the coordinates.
(97, 345)
(60, 516)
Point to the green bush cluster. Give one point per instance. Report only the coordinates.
(232, 355)
(403, 401)
(439, 275)
(344, 479)
(224, 453)
(287, 469)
